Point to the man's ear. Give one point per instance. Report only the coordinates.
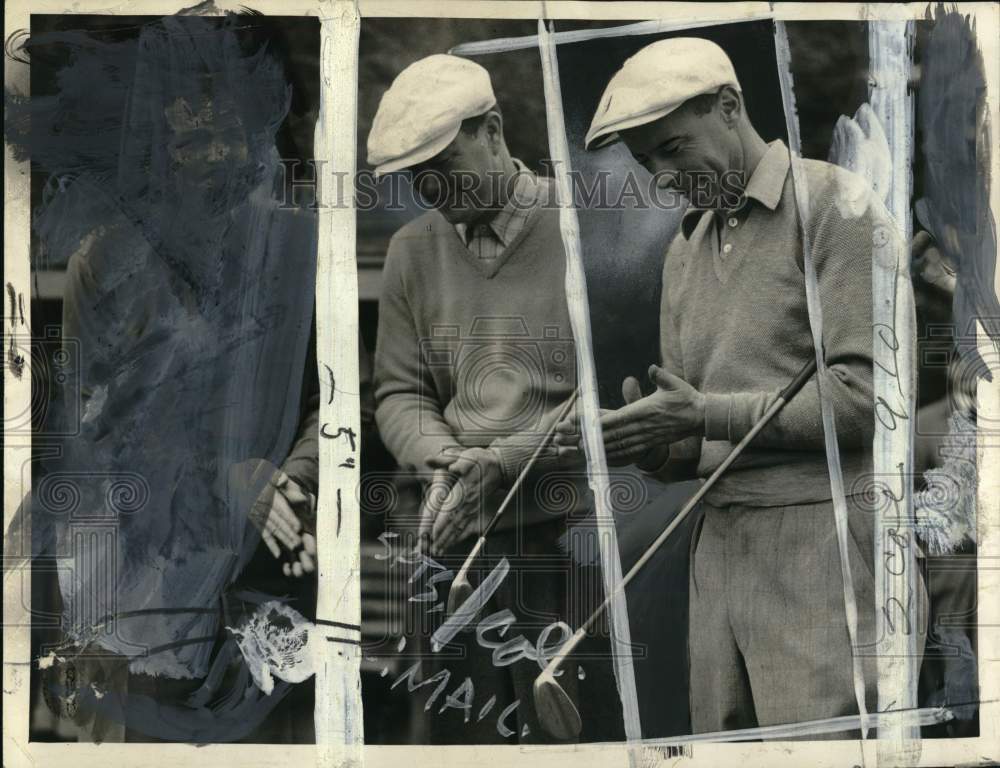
(493, 125)
(730, 104)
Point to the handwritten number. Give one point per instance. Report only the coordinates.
(881, 407)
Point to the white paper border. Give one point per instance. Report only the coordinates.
(342, 318)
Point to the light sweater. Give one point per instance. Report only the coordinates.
(735, 325)
(473, 352)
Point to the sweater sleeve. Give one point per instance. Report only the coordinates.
(408, 410)
(516, 450)
(302, 462)
(842, 254)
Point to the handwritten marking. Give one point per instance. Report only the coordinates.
(340, 512)
(461, 698)
(15, 360)
(487, 707)
(333, 383)
(340, 431)
(502, 729)
(896, 544)
(341, 624)
(344, 640)
(13, 303)
(472, 605)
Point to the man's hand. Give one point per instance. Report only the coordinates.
(658, 454)
(475, 474)
(641, 431)
(434, 495)
(568, 436)
(676, 410)
(284, 513)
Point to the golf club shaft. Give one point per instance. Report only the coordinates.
(566, 407)
(786, 394)
(563, 412)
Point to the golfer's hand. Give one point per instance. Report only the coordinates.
(568, 434)
(285, 514)
(434, 495)
(642, 430)
(656, 456)
(476, 474)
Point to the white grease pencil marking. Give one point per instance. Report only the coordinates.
(889, 46)
(338, 711)
(468, 610)
(503, 44)
(593, 441)
(816, 325)
(880, 720)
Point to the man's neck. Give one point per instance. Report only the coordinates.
(501, 185)
(754, 149)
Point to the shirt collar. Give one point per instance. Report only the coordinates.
(765, 185)
(768, 179)
(507, 224)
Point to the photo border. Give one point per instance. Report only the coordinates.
(337, 325)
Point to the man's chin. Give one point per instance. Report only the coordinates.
(459, 215)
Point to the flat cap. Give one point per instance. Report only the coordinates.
(656, 81)
(423, 110)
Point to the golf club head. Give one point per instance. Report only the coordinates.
(459, 592)
(556, 712)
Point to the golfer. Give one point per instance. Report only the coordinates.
(768, 639)
(474, 357)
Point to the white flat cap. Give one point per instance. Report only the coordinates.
(423, 110)
(656, 81)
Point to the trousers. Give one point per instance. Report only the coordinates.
(768, 639)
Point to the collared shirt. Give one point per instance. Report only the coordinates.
(764, 187)
(735, 325)
(487, 241)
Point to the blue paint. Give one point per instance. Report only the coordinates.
(955, 140)
(188, 303)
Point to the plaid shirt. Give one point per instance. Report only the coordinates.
(488, 240)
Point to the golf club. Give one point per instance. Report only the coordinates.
(461, 588)
(556, 711)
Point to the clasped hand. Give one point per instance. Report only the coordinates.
(463, 480)
(285, 515)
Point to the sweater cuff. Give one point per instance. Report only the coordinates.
(304, 470)
(514, 456)
(745, 409)
(731, 417)
(512, 460)
(717, 413)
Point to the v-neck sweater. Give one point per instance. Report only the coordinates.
(472, 352)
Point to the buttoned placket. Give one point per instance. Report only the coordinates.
(731, 222)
